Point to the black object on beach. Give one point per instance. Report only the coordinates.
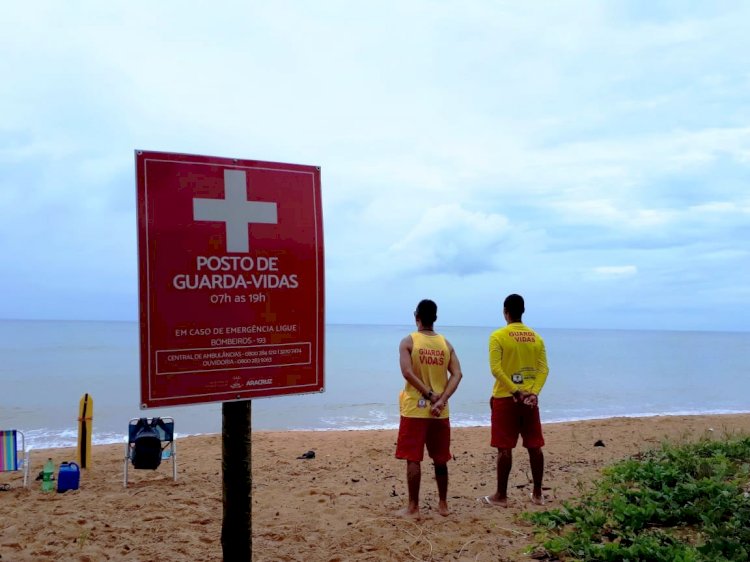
(599, 443)
(147, 444)
(307, 455)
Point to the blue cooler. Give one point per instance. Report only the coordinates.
(68, 477)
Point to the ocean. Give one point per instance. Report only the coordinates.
(47, 366)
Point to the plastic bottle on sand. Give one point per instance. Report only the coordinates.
(48, 473)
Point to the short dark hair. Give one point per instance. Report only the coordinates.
(514, 306)
(426, 312)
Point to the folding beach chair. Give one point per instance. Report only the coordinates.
(13, 457)
(150, 440)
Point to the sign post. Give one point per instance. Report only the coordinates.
(231, 287)
(237, 476)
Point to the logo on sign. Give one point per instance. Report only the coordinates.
(235, 211)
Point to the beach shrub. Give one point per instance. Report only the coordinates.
(681, 503)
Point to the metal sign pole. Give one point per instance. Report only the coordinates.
(237, 476)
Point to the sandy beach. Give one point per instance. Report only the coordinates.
(338, 506)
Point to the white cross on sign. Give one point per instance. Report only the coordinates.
(235, 211)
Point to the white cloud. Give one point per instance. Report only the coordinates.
(723, 207)
(449, 240)
(615, 271)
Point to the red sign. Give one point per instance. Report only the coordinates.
(231, 279)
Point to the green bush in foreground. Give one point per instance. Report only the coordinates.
(678, 504)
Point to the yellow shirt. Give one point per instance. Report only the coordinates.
(518, 360)
(430, 356)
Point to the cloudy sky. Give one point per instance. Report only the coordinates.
(592, 156)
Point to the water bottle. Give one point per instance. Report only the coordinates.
(48, 473)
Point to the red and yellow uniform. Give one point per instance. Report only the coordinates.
(518, 360)
(418, 428)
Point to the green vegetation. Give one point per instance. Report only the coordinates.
(688, 503)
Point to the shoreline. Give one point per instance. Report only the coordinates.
(339, 505)
(120, 439)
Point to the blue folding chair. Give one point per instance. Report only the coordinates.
(12, 456)
(150, 441)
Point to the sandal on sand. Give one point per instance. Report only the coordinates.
(535, 500)
(307, 455)
(485, 500)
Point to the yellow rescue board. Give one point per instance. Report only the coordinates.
(85, 424)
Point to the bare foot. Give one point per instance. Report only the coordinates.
(493, 501)
(409, 513)
(443, 509)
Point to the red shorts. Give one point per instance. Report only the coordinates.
(511, 419)
(415, 433)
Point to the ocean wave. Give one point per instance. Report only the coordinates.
(37, 439)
